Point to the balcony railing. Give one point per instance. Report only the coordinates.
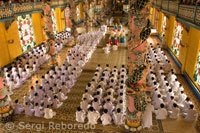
(9, 11)
(189, 13)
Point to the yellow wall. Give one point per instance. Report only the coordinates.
(38, 28)
(58, 19)
(62, 20)
(160, 19)
(81, 10)
(10, 51)
(170, 31)
(4, 54)
(12, 34)
(193, 50)
(153, 16)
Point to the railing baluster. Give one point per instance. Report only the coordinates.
(178, 10)
(168, 5)
(195, 13)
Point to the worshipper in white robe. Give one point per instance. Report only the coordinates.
(48, 113)
(174, 113)
(190, 114)
(171, 78)
(168, 96)
(157, 102)
(96, 105)
(88, 96)
(80, 115)
(34, 67)
(69, 84)
(109, 106)
(63, 77)
(72, 77)
(170, 103)
(180, 88)
(56, 102)
(37, 111)
(37, 86)
(18, 108)
(61, 96)
(24, 75)
(99, 68)
(106, 118)
(175, 85)
(19, 81)
(147, 116)
(161, 113)
(109, 96)
(93, 116)
(118, 117)
(181, 97)
(36, 99)
(29, 111)
(11, 85)
(47, 101)
(90, 88)
(32, 93)
(84, 104)
(186, 104)
(26, 99)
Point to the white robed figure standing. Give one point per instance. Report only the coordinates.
(147, 117)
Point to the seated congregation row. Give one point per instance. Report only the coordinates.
(51, 90)
(168, 98)
(25, 66)
(104, 97)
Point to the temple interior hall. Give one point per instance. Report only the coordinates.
(100, 66)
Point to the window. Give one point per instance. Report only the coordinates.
(197, 71)
(163, 29)
(26, 34)
(177, 38)
(53, 16)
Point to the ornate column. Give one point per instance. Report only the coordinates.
(48, 28)
(6, 112)
(139, 28)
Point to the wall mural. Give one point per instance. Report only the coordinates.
(178, 31)
(53, 16)
(26, 34)
(164, 23)
(197, 71)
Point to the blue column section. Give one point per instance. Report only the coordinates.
(127, 2)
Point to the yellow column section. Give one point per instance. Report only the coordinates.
(193, 50)
(12, 34)
(58, 19)
(170, 31)
(38, 28)
(4, 54)
(62, 21)
(81, 10)
(183, 50)
(153, 16)
(160, 19)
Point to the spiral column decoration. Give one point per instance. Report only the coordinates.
(140, 28)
